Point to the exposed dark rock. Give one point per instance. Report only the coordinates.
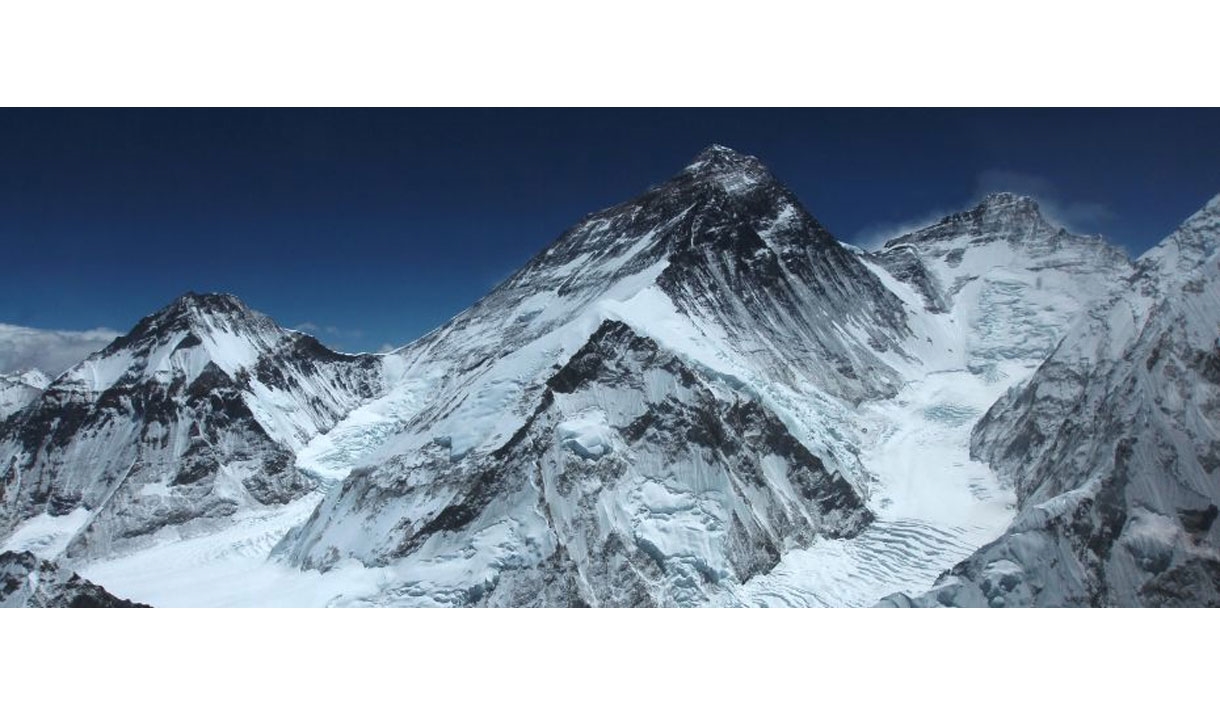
(29, 582)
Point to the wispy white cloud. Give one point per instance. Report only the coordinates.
(874, 236)
(51, 351)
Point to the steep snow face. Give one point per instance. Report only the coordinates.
(192, 415)
(758, 276)
(635, 481)
(20, 389)
(721, 263)
(1114, 450)
(1000, 282)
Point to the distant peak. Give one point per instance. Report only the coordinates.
(222, 303)
(1006, 207)
(730, 170)
(718, 150)
(717, 158)
(194, 311)
(1002, 215)
(1007, 201)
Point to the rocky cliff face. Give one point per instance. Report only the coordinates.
(29, 582)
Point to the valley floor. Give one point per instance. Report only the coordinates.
(231, 568)
(934, 506)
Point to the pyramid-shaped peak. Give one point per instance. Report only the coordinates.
(223, 303)
(207, 308)
(719, 150)
(196, 313)
(726, 169)
(719, 158)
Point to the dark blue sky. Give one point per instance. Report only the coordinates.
(374, 226)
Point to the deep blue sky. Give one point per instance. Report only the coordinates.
(372, 227)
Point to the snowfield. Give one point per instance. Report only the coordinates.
(231, 567)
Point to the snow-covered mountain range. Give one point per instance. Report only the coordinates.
(190, 417)
(695, 397)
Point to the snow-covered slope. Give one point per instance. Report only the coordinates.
(721, 263)
(1183, 251)
(999, 282)
(190, 417)
(636, 481)
(1114, 450)
(721, 271)
(20, 389)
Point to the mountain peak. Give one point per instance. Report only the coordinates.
(1008, 201)
(212, 303)
(728, 167)
(720, 152)
(1002, 215)
(205, 310)
(194, 313)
